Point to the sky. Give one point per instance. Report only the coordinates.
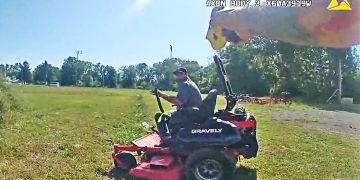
(112, 32)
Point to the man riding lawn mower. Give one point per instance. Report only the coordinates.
(200, 144)
(187, 100)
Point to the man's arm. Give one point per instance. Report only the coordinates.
(171, 99)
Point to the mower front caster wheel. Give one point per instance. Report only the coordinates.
(127, 161)
(210, 164)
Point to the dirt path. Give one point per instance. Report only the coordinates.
(333, 121)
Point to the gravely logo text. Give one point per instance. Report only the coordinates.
(196, 131)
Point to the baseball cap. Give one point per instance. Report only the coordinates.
(181, 69)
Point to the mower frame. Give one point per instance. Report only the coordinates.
(162, 163)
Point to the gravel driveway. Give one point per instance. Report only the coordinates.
(333, 121)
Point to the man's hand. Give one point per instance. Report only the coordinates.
(155, 91)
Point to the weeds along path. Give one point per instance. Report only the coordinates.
(8, 103)
(63, 132)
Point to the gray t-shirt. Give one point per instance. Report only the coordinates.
(189, 94)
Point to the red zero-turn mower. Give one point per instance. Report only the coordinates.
(205, 150)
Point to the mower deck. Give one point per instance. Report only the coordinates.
(161, 167)
(145, 143)
(149, 140)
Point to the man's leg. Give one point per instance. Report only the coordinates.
(162, 124)
(178, 121)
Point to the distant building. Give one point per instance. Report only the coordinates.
(9, 80)
(54, 84)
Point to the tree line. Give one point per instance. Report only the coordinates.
(82, 73)
(269, 67)
(259, 67)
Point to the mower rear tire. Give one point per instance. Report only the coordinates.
(210, 164)
(127, 159)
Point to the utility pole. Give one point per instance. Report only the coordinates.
(77, 52)
(171, 49)
(340, 82)
(5, 70)
(46, 73)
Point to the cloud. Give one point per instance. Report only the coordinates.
(137, 6)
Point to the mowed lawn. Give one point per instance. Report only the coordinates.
(65, 133)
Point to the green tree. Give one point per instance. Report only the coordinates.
(88, 80)
(144, 75)
(244, 76)
(308, 72)
(45, 72)
(128, 76)
(110, 76)
(68, 72)
(73, 71)
(13, 71)
(25, 72)
(3, 69)
(98, 73)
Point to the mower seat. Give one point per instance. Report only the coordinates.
(207, 106)
(206, 109)
(205, 112)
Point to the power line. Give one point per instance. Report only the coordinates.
(171, 50)
(77, 52)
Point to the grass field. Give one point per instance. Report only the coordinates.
(64, 133)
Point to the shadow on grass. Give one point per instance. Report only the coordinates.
(245, 173)
(117, 174)
(242, 173)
